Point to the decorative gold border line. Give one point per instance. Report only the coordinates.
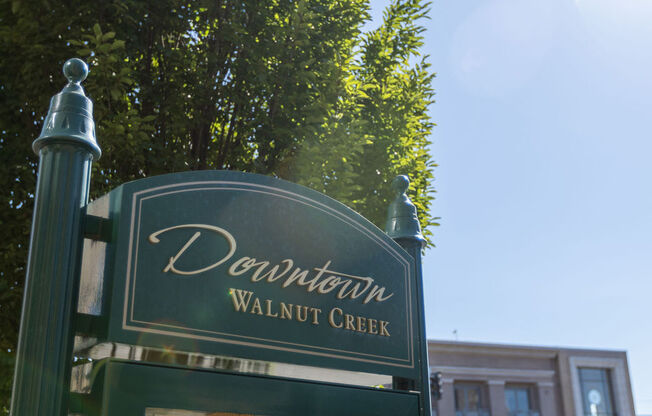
(133, 289)
(364, 229)
(277, 193)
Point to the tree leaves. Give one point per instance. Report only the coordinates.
(286, 88)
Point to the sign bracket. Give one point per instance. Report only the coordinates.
(98, 228)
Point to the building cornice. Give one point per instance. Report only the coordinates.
(526, 351)
(489, 349)
(501, 373)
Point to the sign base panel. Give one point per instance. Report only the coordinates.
(130, 388)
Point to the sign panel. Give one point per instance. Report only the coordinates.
(157, 390)
(242, 264)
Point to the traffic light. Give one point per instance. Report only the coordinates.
(435, 385)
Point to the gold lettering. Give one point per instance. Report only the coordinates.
(331, 317)
(245, 262)
(153, 238)
(261, 267)
(383, 328)
(256, 307)
(377, 294)
(286, 311)
(305, 313)
(173, 259)
(355, 292)
(323, 281)
(301, 313)
(361, 324)
(240, 299)
(371, 323)
(268, 308)
(349, 322)
(272, 277)
(329, 284)
(296, 274)
(340, 294)
(314, 282)
(315, 312)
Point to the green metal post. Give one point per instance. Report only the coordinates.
(66, 148)
(403, 226)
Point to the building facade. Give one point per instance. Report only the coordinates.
(507, 380)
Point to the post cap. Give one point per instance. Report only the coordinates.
(75, 70)
(70, 118)
(402, 220)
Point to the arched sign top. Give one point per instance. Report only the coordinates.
(233, 263)
(264, 184)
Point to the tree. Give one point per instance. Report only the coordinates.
(286, 88)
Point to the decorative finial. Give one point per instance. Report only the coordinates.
(70, 119)
(402, 220)
(401, 183)
(75, 70)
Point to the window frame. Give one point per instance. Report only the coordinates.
(533, 399)
(483, 402)
(605, 384)
(619, 382)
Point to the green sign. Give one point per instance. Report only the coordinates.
(231, 263)
(224, 263)
(157, 390)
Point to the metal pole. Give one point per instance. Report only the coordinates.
(403, 226)
(66, 148)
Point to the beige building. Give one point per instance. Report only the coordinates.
(508, 380)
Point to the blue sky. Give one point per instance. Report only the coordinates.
(544, 140)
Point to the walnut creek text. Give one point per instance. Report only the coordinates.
(246, 302)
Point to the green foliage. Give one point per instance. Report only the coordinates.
(285, 88)
(380, 127)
